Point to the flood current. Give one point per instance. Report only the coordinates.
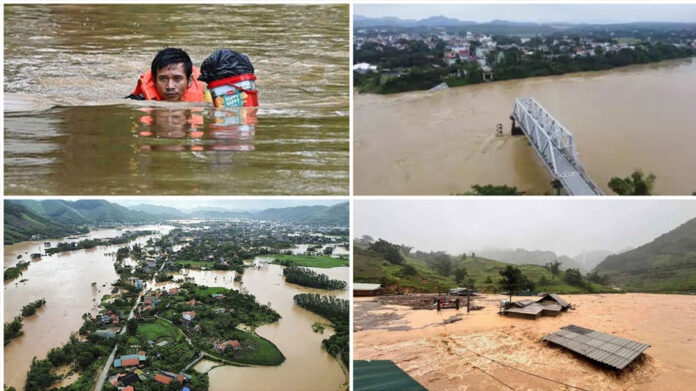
(636, 117)
(68, 130)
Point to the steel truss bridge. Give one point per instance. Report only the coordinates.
(555, 145)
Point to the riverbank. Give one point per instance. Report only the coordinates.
(420, 143)
(448, 356)
(372, 91)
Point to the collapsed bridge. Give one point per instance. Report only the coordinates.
(555, 145)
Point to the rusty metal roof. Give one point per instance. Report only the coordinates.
(601, 347)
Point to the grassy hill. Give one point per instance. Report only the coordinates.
(371, 267)
(20, 223)
(668, 263)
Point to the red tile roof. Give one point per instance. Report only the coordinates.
(129, 388)
(162, 379)
(130, 362)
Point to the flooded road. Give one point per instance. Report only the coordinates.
(307, 366)
(637, 117)
(65, 281)
(67, 130)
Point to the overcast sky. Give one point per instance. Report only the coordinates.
(245, 204)
(574, 13)
(564, 226)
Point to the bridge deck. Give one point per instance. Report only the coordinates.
(555, 146)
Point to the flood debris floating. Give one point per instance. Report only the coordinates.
(440, 87)
(378, 375)
(550, 304)
(604, 348)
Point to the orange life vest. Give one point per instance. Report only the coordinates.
(146, 87)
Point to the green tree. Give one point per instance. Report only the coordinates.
(132, 326)
(553, 267)
(573, 277)
(636, 184)
(459, 275)
(512, 279)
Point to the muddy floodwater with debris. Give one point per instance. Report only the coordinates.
(481, 350)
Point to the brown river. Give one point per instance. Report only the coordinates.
(307, 366)
(68, 129)
(65, 281)
(637, 117)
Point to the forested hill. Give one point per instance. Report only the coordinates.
(668, 263)
(87, 212)
(386, 264)
(321, 215)
(20, 223)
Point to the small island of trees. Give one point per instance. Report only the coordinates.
(306, 277)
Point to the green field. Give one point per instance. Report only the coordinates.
(371, 267)
(321, 261)
(260, 351)
(158, 329)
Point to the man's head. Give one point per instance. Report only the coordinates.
(171, 71)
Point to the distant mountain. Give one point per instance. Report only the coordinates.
(84, 212)
(509, 27)
(590, 259)
(536, 257)
(442, 21)
(323, 215)
(158, 210)
(21, 222)
(668, 263)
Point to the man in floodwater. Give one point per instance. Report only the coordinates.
(172, 77)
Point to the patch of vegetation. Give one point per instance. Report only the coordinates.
(91, 243)
(15, 271)
(156, 330)
(13, 329)
(306, 277)
(492, 190)
(439, 271)
(30, 309)
(636, 184)
(320, 261)
(337, 312)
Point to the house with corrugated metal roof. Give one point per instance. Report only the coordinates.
(550, 304)
(360, 289)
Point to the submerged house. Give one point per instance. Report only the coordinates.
(360, 289)
(607, 349)
(550, 304)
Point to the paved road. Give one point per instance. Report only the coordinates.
(102, 377)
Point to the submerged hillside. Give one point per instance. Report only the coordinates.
(668, 263)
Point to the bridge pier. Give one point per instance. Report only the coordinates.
(514, 129)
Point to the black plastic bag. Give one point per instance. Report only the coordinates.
(224, 63)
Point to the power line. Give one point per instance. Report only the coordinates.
(494, 378)
(529, 373)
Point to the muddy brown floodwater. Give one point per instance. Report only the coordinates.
(307, 366)
(68, 130)
(65, 281)
(637, 117)
(453, 356)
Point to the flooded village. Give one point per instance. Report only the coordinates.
(428, 316)
(192, 303)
